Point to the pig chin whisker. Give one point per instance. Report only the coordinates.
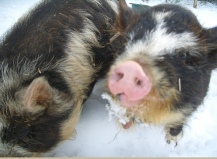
(180, 85)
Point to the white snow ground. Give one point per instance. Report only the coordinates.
(98, 137)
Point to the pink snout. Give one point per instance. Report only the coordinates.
(129, 81)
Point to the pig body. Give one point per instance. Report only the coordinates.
(163, 72)
(49, 63)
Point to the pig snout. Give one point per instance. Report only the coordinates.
(129, 81)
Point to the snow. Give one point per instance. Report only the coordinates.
(99, 137)
(11, 11)
(115, 110)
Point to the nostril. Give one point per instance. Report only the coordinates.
(119, 76)
(138, 82)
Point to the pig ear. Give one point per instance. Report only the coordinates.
(126, 15)
(38, 95)
(212, 44)
(212, 35)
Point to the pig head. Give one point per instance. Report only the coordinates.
(162, 72)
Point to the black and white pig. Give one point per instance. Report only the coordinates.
(163, 72)
(49, 63)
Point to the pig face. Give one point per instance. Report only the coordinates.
(163, 71)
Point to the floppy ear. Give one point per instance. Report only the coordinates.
(212, 46)
(38, 95)
(212, 35)
(126, 16)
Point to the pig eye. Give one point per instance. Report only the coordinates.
(182, 55)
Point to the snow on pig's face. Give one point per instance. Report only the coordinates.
(163, 71)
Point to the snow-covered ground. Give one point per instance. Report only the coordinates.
(98, 137)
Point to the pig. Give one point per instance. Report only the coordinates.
(162, 72)
(50, 60)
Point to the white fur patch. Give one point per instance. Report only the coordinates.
(158, 42)
(79, 42)
(160, 16)
(113, 5)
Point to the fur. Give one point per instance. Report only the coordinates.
(50, 61)
(176, 53)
